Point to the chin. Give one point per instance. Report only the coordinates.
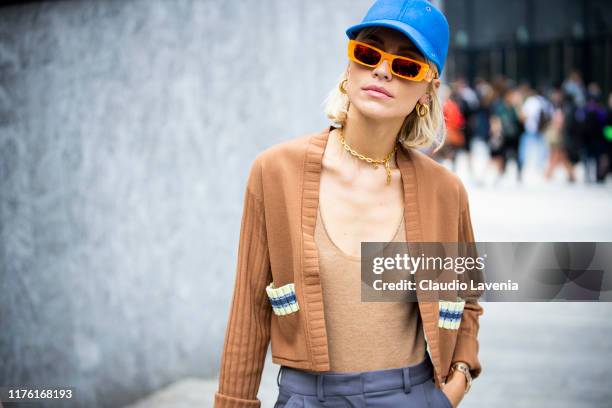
(375, 110)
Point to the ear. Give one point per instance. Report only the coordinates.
(425, 99)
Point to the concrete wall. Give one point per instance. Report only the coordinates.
(127, 129)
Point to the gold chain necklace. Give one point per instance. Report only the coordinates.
(375, 162)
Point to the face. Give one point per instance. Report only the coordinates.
(404, 93)
(556, 97)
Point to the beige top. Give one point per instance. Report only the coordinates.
(364, 336)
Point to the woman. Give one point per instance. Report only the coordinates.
(454, 123)
(554, 138)
(311, 201)
(505, 128)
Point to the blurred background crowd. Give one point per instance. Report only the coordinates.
(527, 90)
(554, 127)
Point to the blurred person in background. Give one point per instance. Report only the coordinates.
(535, 114)
(467, 99)
(574, 87)
(523, 90)
(607, 140)
(486, 96)
(554, 137)
(594, 118)
(505, 126)
(496, 143)
(572, 132)
(455, 122)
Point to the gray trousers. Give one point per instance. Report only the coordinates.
(410, 386)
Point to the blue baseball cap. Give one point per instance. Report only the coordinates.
(419, 20)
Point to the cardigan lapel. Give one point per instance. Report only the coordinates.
(316, 334)
(429, 309)
(310, 279)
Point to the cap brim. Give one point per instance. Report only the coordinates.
(419, 41)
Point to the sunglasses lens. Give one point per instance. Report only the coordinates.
(406, 68)
(366, 55)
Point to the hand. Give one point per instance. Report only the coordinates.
(454, 388)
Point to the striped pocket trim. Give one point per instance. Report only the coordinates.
(283, 299)
(450, 314)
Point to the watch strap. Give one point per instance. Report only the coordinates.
(465, 369)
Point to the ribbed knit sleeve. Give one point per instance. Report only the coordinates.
(466, 348)
(248, 329)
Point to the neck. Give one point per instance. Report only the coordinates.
(372, 138)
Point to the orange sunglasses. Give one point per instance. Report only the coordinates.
(403, 67)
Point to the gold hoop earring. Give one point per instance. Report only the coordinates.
(341, 86)
(422, 110)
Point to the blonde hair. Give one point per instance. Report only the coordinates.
(415, 132)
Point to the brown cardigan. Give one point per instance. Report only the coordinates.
(277, 244)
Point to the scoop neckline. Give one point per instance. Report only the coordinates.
(340, 250)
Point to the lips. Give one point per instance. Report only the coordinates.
(377, 89)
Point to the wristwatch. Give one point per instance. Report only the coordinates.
(465, 369)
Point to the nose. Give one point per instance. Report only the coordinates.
(383, 70)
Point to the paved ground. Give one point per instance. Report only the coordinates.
(533, 354)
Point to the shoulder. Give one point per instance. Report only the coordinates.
(437, 180)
